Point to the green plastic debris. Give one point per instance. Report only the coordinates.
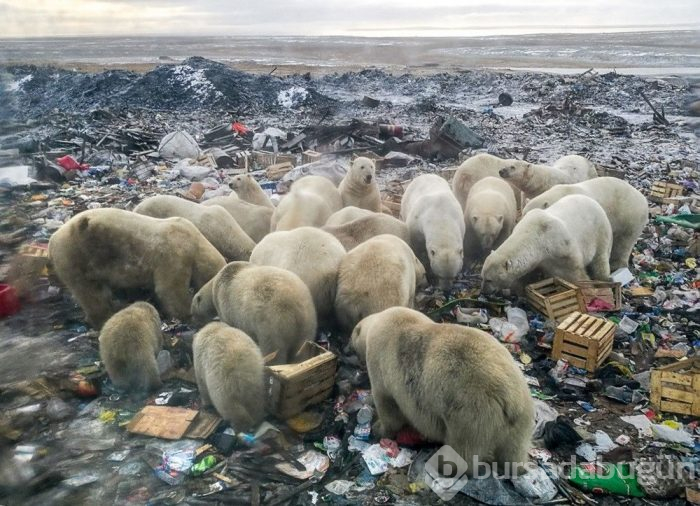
(682, 220)
(600, 478)
(206, 463)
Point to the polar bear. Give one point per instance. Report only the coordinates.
(129, 344)
(229, 370)
(627, 210)
(476, 168)
(253, 219)
(436, 225)
(359, 186)
(346, 215)
(100, 252)
(311, 254)
(571, 239)
(248, 189)
(272, 305)
(379, 273)
(453, 384)
(534, 179)
(310, 202)
(489, 216)
(214, 222)
(357, 231)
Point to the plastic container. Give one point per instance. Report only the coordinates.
(9, 302)
(518, 317)
(600, 478)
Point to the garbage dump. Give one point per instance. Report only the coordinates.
(615, 411)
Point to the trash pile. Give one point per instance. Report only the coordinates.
(618, 418)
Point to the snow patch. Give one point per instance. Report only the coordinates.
(196, 81)
(292, 97)
(17, 85)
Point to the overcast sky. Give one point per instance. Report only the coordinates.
(26, 18)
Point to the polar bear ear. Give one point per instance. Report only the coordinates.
(499, 218)
(475, 219)
(508, 264)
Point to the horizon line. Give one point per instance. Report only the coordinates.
(690, 27)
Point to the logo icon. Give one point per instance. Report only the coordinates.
(445, 473)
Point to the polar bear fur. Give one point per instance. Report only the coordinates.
(272, 305)
(475, 169)
(310, 202)
(214, 222)
(248, 189)
(129, 344)
(359, 186)
(489, 216)
(346, 215)
(380, 273)
(358, 231)
(534, 179)
(102, 251)
(229, 370)
(253, 219)
(626, 208)
(571, 240)
(311, 254)
(436, 226)
(453, 384)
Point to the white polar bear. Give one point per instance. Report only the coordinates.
(475, 169)
(248, 189)
(534, 179)
(379, 273)
(346, 215)
(253, 219)
(357, 231)
(214, 222)
(436, 225)
(627, 210)
(359, 186)
(571, 240)
(489, 216)
(453, 384)
(311, 254)
(310, 202)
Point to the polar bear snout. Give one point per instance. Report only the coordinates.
(368, 178)
(506, 171)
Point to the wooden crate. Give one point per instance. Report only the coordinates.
(264, 159)
(604, 290)
(291, 388)
(555, 298)
(309, 156)
(663, 192)
(584, 340)
(675, 388)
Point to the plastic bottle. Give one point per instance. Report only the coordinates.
(602, 477)
(364, 420)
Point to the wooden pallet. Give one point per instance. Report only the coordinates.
(663, 192)
(583, 340)
(292, 388)
(675, 388)
(604, 290)
(555, 298)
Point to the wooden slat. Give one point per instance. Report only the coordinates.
(575, 361)
(574, 349)
(575, 338)
(674, 394)
(679, 379)
(676, 407)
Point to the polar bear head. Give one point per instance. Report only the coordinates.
(445, 261)
(362, 170)
(488, 228)
(495, 274)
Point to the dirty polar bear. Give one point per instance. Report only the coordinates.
(534, 179)
(248, 189)
(627, 210)
(379, 273)
(272, 305)
(311, 254)
(359, 186)
(214, 222)
(253, 219)
(489, 216)
(436, 226)
(129, 344)
(310, 202)
(101, 251)
(228, 367)
(453, 384)
(358, 231)
(571, 240)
